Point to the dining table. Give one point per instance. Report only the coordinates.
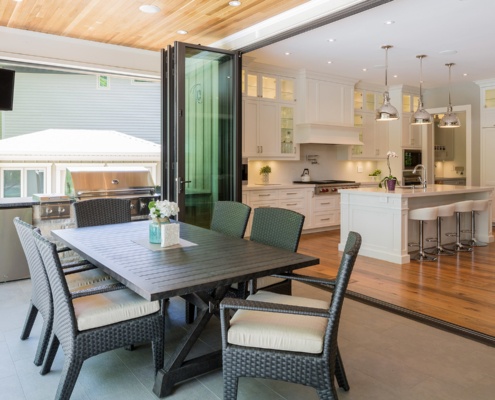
(200, 269)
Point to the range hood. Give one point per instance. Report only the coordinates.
(326, 134)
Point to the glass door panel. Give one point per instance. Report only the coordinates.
(287, 90)
(207, 142)
(269, 87)
(287, 129)
(252, 85)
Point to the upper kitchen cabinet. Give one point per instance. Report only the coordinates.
(411, 134)
(268, 114)
(325, 100)
(373, 134)
(487, 103)
(268, 87)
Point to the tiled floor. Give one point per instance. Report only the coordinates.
(386, 357)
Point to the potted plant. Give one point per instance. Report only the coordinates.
(390, 179)
(375, 174)
(265, 173)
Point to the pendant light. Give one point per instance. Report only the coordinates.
(450, 119)
(387, 112)
(421, 116)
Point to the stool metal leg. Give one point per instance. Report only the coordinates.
(473, 242)
(458, 246)
(439, 249)
(421, 255)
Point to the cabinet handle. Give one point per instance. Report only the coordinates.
(264, 195)
(324, 204)
(324, 219)
(291, 204)
(290, 193)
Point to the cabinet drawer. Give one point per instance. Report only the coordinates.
(324, 219)
(296, 204)
(291, 194)
(266, 203)
(259, 195)
(323, 203)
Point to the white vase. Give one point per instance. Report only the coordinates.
(170, 234)
(265, 178)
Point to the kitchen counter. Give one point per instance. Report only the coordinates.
(381, 217)
(18, 202)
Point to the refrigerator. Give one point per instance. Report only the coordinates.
(13, 264)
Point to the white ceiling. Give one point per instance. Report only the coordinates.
(421, 27)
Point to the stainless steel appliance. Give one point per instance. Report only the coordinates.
(412, 157)
(133, 183)
(53, 206)
(13, 264)
(326, 187)
(409, 179)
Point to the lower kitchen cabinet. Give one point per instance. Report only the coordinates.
(296, 199)
(326, 211)
(322, 211)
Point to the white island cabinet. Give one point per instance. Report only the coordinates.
(381, 217)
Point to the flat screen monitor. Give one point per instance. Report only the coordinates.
(6, 89)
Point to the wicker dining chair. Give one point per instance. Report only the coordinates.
(287, 338)
(102, 212)
(229, 218)
(89, 325)
(277, 227)
(84, 275)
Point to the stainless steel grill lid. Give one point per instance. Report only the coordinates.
(82, 182)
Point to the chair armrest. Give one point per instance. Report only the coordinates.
(97, 290)
(306, 279)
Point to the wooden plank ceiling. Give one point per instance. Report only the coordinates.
(120, 22)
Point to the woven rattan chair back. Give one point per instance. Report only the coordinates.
(230, 218)
(102, 212)
(81, 345)
(277, 227)
(315, 370)
(41, 298)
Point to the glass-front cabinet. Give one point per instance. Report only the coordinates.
(488, 112)
(287, 130)
(268, 87)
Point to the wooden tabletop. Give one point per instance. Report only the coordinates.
(215, 260)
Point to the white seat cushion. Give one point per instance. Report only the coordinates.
(111, 307)
(267, 281)
(269, 330)
(93, 276)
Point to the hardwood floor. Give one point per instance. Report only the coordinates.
(459, 289)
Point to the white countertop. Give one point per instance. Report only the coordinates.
(431, 190)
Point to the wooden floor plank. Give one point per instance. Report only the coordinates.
(459, 289)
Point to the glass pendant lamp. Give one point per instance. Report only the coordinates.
(421, 116)
(450, 119)
(387, 112)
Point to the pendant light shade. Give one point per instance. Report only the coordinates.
(421, 116)
(387, 112)
(450, 119)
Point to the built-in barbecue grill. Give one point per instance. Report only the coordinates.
(133, 183)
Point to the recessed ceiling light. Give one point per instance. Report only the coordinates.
(287, 53)
(332, 40)
(234, 3)
(18, 1)
(389, 22)
(149, 9)
(329, 62)
(395, 76)
(182, 32)
(447, 52)
(365, 69)
(464, 74)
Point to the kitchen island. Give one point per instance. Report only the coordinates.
(381, 217)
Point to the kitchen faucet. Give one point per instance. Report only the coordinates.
(422, 180)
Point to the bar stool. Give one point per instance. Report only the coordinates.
(422, 215)
(460, 207)
(443, 211)
(478, 206)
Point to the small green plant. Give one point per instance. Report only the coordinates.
(376, 172)
(265, 170)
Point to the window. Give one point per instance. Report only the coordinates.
(21, 181)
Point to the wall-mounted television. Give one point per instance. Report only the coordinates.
(6, 89)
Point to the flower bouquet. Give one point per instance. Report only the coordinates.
(161, 230)
(390, 178)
